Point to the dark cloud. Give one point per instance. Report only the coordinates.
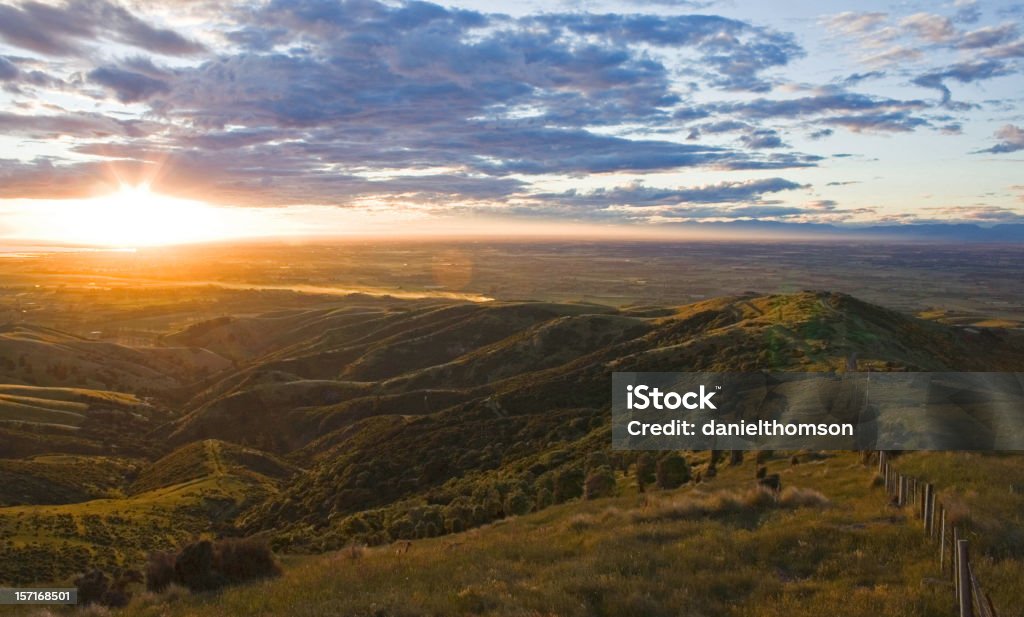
(823, 204)
(736, 51)
(889, 122)
(967, 13)
(332, 101)
(80, 125)
(63, 29)
(988, 37)
(1011, 140)
(963, 72)
(8, 70)
(724, 126)
(762, 139)
(818, 105)
(856, 78)
(128, 86)
(638, 195)
(762, 211)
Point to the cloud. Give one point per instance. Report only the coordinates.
(856, 112)
(336, 101)
(930, 27)
(638, 195)
(8, 70)
(963, 72)
(990, 36)
(79, 125)
(979, 213)
(1012, 140)
(889, 122)
(129, 86)
(893, 55)
(823, 204)
(967, 11)
(762, 139)
(852, 23)
(856, 78)
(63, 29)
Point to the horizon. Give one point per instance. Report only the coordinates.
(145, 126)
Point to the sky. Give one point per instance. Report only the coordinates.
(153, 122)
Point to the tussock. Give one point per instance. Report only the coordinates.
(696, 505)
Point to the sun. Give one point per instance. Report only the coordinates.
(134, 216)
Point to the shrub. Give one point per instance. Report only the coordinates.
(159, 571)
(600, 483)
(645, 469)
(673, 471)
(244, 559)
(793, 497)
(91, 587)
(517, 503)
(568, 485)
(193, 567)
(206, 565)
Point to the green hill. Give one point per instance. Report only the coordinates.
(831, 544)
(194, 491)
(376, 420)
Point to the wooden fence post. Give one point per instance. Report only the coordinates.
(963, 579)
(942, 540)
(927, 509)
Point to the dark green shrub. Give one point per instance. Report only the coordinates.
(193, 567)
(159, 571)
(244, 559)
(600, 483)
(673, 471)
(568, 484)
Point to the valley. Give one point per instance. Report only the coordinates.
(335, 427)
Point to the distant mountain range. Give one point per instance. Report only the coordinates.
(942, 232)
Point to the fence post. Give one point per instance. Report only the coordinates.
(899, 494)
(935, 516)
(954, 560)
(963, 578)
(942, 540)
(927, 509)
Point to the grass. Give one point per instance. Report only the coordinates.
(53, 542)
(830, 545)
(984, 496)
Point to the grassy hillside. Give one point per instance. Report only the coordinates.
(58, 479)
(830, 545)
(37, 356)
(196, 490)
(376, 420)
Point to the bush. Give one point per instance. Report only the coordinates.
(159, 571)
(206, 565)
(600, 483)
(673, 471)
(92, 586)
(517, 503)
(568, 485)
(244, 559)
(193, 567)
(645, 468)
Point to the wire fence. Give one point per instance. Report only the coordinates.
(954, 553)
